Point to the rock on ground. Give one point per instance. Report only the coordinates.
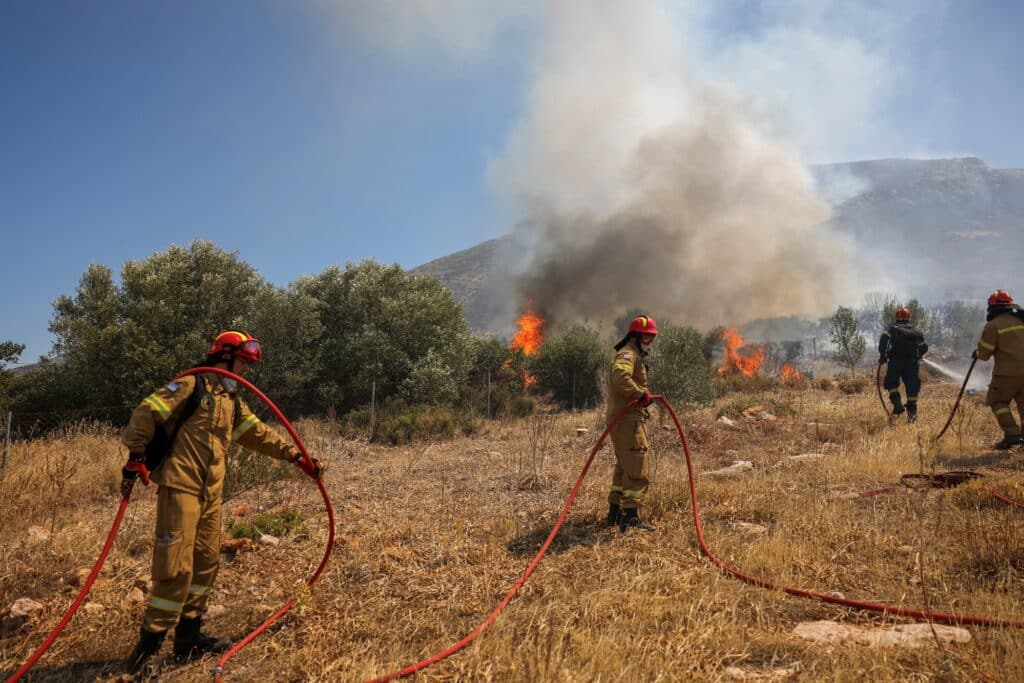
(21, 613)
(901, 635)
(736, 468)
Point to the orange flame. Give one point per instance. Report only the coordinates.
(528, 340)
(748, 362)
(791, 377)
(530, 335)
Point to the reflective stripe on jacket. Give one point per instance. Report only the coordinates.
(1003, 338)
(197, 460)
(628, 380)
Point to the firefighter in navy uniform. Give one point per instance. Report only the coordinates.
(629, 437)
(186, 551)
(1003, 339)
(902, 346)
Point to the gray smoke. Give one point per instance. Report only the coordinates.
(645, 185)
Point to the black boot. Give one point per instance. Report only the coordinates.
(149, 645)
(631, 518)
(190, 643)
(911, 413)
(897, 403)
(1008, 442)
(613, 514)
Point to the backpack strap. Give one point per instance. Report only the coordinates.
(194, 399)
(161, 444)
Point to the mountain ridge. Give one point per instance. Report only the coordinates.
(949, 225)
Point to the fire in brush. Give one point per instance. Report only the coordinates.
(740, 358)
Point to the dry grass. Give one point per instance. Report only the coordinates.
(430, 536)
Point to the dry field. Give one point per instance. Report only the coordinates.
(430, 536)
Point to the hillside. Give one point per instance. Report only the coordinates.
(475, 276)
(953, 224)
(950, 227)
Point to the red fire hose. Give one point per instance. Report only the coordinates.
(998, 496)
(959, 396)
(433, 659)
(878, 386)
(30, 662)
(940, 617)
(219, 671)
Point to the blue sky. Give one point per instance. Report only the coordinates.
(303, 134)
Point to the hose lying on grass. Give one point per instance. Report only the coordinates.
(892, 610)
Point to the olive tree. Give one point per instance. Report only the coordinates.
(846, 337)
(679, 368)
(382, 326)
(570, 367)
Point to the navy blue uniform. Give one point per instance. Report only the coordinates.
(902, 346)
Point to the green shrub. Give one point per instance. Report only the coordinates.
(248, 469)
(397, 422)
(570, 368)
(274, 523)
(679, 368)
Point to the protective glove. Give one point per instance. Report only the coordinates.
(311, 466)
(135, 466)
(646, 399)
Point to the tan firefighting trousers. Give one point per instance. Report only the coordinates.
(1002, 390)
(629, 480)
(186, 556)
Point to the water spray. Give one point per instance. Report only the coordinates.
(953, 374)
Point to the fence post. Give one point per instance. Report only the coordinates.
(7, 438)
(488, 394)
(373, 407)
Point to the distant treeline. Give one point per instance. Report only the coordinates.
(335, 340)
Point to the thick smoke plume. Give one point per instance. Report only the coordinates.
(647, 186)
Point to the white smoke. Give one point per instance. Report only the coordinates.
(660, 157)
(649, 184)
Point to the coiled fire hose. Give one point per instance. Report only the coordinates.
(956, 405)
(219, 670)
(896, 610)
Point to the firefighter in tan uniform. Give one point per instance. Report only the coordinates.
(186, 553)
(629, 437)
(1003, 338)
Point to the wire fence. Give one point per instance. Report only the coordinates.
(488, 400)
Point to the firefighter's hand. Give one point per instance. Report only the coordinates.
(135, 467)
(311, 466)
(646, 399)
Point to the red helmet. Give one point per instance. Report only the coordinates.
(903, 313)
(1000, 297)
(232, 343)
(644, 325)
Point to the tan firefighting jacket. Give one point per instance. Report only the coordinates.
(196, 461)
(1003, 337)
(628, 381)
